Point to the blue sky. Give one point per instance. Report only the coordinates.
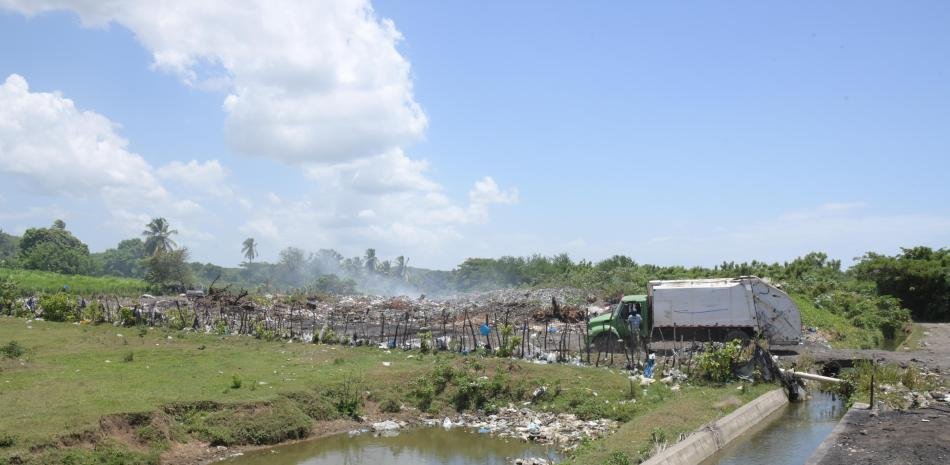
(676, 133)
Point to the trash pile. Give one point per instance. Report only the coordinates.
(563, 430)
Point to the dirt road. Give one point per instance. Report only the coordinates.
(916, 436)
(933, 354)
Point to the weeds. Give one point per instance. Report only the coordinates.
(13, 349)
(236, 382)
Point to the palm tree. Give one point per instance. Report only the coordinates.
(371, 260)
(158, 236)
(401, 264)
(249, 249)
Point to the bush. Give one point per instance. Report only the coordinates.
(390, 405)
(129, 357)
(8, 295)
(58, 307)
(717, 364)
(7, 440)
(425, 342)
(94, 312)
(347, 397)
(315, 406)
(270, 423)
(236, 382)
(126, 317)
(12, 349)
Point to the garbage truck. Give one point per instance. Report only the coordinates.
(702, 310)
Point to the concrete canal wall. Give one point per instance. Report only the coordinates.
(705, 442)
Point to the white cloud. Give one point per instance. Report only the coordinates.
(307, 81)
(60, 150)
(319, 85)
(209, 177)
(65, 151)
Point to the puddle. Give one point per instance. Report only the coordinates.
(423, 446)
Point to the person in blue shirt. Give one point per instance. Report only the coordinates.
(634, 321)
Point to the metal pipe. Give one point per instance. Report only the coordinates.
(813, 377)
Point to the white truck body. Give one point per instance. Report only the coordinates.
(746, 303)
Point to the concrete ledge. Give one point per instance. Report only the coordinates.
(832, 437)
(714, 436)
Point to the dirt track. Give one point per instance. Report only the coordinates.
(934, 352)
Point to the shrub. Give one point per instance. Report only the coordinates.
(58, 307)
(425, 342)
(94, 312)
(423, 392)
(129, 357)
(7, 440)
(390, 405)
(12, 349)
(126, 317)
(236, 382)
(315, 406)
(618, 457)
(8, 294)
(271, 423)
(347, 397)
(717, 364)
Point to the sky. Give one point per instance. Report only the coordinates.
(686, 133)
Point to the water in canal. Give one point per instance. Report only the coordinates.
(788, 437)
(423, 446)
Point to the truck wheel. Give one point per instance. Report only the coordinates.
(739, 334)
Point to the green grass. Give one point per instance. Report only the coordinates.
(693, 407)
(72, 376)
(839, 331)
(32, 281)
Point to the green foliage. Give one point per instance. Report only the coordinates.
(919, 277)
(618, 457)
(8, 295)
(7, 439)
(129, 357)
(717, 364)
(58, 307)
(94, 312)
(12, 349)
(168, 269)
(53, 249)
(425, 342)
(863, 311)
(509, 343)
(126, 316)
(390, 405)
(347, 397)
(32, 282)
(236, 382)
(124, 260)
(333, 284)
(269, 423)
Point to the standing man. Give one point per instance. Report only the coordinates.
(634, 322)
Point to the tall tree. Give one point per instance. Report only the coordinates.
(158, 236)
(402, 264)
(371, 261)
(249, 249)
(53, 249)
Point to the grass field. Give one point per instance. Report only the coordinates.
(71, 376)
(32, 281)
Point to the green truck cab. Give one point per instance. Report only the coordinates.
(604, 330)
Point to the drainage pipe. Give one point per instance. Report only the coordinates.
(813, 377)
